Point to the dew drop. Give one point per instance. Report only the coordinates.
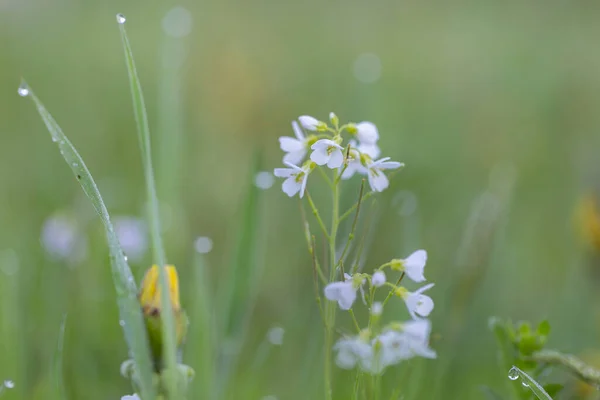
(23, 90)
(125, 258)
(54, 139)
(9, 384)
(513, 374)
(121, 19)
(75, 165)
(203, 244)
(525, 384)
(121, 322)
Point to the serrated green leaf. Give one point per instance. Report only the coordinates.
(129, 308)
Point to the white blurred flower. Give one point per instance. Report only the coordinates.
(9, 384)
(414, 265)
(344, 292)
(133, 236)
(203, 244)
(131, 397)
(352, 351)
(264, 180)
(416, 302)
(308, 122)
(275, 335)
(417, 336)
(295, 148)
(367, 68)
(326, 151)
(296, 179)
(377, 179)
(62, 239)
(367, 133)
(377, 308)
(177, 22)
(378, 278)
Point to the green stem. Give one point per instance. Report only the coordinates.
(330, 311)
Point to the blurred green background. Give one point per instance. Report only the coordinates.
(494, 108)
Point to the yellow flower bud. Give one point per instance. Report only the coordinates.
(150, 291)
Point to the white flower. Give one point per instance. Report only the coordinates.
(418, 303)
(414, 265)
(417, 336)
(295, 148)
(377, 308)
(356, 160)
(8, 384)
(352, 352)
(326, 151)
(367, 133)
(378, 278)
(131, 397)
(309, 122)
(296, 179)
(344, 292)
(132, 234)
(377, 179)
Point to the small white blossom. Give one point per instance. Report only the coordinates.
(264, 179)
(356, 159)
(377, 308)
(326, 151)
(414, 265)
(344, 292)
(377, 179)
(296, 179)
(275, 335)
(131, 397)
(418, 303)
(378, 278)
(352, 352)
(367, 133)
(309, 122)
(295, 148)
(417, 335)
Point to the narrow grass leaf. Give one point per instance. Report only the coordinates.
(129, 307)
(58, 360)
(529, 382)
(143, 130)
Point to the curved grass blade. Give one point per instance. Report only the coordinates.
(143, 130)
(129, 308)
(529, 382)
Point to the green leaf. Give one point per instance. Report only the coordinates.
(530, 383)
(129, 308)
(543, 330)
(141, 119)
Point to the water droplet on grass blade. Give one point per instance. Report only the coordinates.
(513, 374)
(23, 90)
(9, 384)
(121, 19)
(121, 322)
(525, 384)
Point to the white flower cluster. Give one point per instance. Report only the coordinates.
(375, 349)
(359, 155)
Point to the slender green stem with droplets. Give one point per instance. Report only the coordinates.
(143, 129)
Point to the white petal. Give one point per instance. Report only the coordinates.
(414, 265)
(283, 172)
(390, 165)
(295, 157)
(378, 278)
(372, 150)
(289, 144)
(378, 181)
(297, 131)
(367, 132)
(342, 292)
(291, 186)
(308, 122)
(294, 167)
(336, 159)
(424, 288)
(320, 156)
(303, 186)
(424, 305)
(324, 144)
(418, 329)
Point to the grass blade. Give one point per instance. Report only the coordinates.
(529, 382)
(58, 360)
(143, 130)
(129, 307)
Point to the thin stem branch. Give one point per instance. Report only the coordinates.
(315, 212)
(353, 229)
